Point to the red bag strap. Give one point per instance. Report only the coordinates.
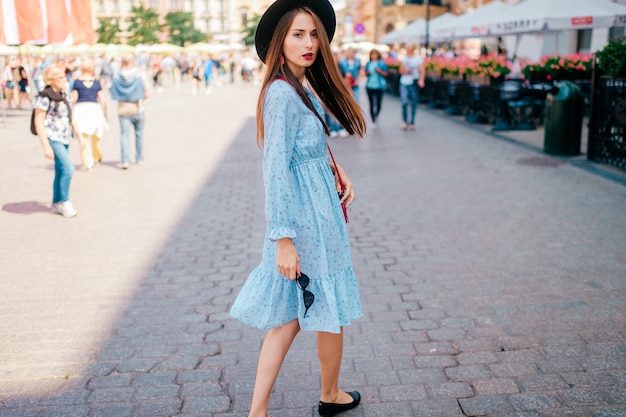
(341, 183)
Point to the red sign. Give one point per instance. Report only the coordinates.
(580, 21)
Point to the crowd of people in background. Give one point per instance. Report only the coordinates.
(88, 81)
(21, 77)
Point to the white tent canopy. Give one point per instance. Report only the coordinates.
(472, 24)
(416, 30)
(400, 34)
(556, 15)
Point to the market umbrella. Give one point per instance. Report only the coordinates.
(28, 49)
(400, 35)
(120, 49)
(211, 48)
(554, 16)
(416, 30)
(365, 46)
(164, 48)
(417, 33)
(7, 50)
(471, 25)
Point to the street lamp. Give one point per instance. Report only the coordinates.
(427, 3)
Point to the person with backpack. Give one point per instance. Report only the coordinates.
(52, 122)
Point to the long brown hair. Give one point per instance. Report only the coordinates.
(323, 77)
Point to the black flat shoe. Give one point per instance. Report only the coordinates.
(331, 409)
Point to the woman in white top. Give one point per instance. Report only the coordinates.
(412, 71)
(89, 114)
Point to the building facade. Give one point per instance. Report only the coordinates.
(357, 20)
(219, 19)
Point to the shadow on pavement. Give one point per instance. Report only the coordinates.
(27, 207)
(165, 353)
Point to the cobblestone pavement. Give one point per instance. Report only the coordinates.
(493, 278)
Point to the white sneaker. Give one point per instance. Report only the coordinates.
(124, 165)
(333, 134)
(65, 209)
(343, 133)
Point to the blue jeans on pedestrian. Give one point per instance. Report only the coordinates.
(63, 170)
(409, 95)
(332, 123)
(375, 97)
(137, 122)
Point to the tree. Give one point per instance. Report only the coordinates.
(143, 26)
(182, 29)
(250, 29)
(108, 30)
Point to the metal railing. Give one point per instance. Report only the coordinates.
(607, 121)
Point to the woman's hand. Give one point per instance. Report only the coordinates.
(287, 259)
(348, 195)
(47, 151)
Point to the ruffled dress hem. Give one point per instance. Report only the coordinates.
(267, 301)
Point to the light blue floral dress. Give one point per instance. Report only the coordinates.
(301, 202)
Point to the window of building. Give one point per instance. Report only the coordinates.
(175, 4)
(154, 4)
(388, 2)
(116, 6)
(188, 6)
(617, 33)
(584, 40)
(101, 6)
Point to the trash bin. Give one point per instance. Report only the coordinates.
(563, 120)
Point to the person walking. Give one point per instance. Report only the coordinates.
(376, 70)
(412, 72)
(54, 125)
(350, 67)
(306, 278)
(130, 89)
(196, 70)
(23, 85)
(208, 69)
(8, 82)
(90, 114)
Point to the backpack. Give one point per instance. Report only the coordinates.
(33, 129)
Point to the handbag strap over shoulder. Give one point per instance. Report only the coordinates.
(344, 208)
(341, 183)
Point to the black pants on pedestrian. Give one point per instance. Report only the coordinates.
(375, 97)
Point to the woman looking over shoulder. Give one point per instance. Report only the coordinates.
(305, 279)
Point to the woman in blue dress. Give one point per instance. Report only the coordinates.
(305, 279)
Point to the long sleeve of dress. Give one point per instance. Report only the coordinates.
(280, 116)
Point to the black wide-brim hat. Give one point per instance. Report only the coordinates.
(265, 30)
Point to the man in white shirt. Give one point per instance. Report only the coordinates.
(412, 74)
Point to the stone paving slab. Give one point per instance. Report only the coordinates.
(491, 287)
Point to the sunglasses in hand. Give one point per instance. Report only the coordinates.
(307, 296)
